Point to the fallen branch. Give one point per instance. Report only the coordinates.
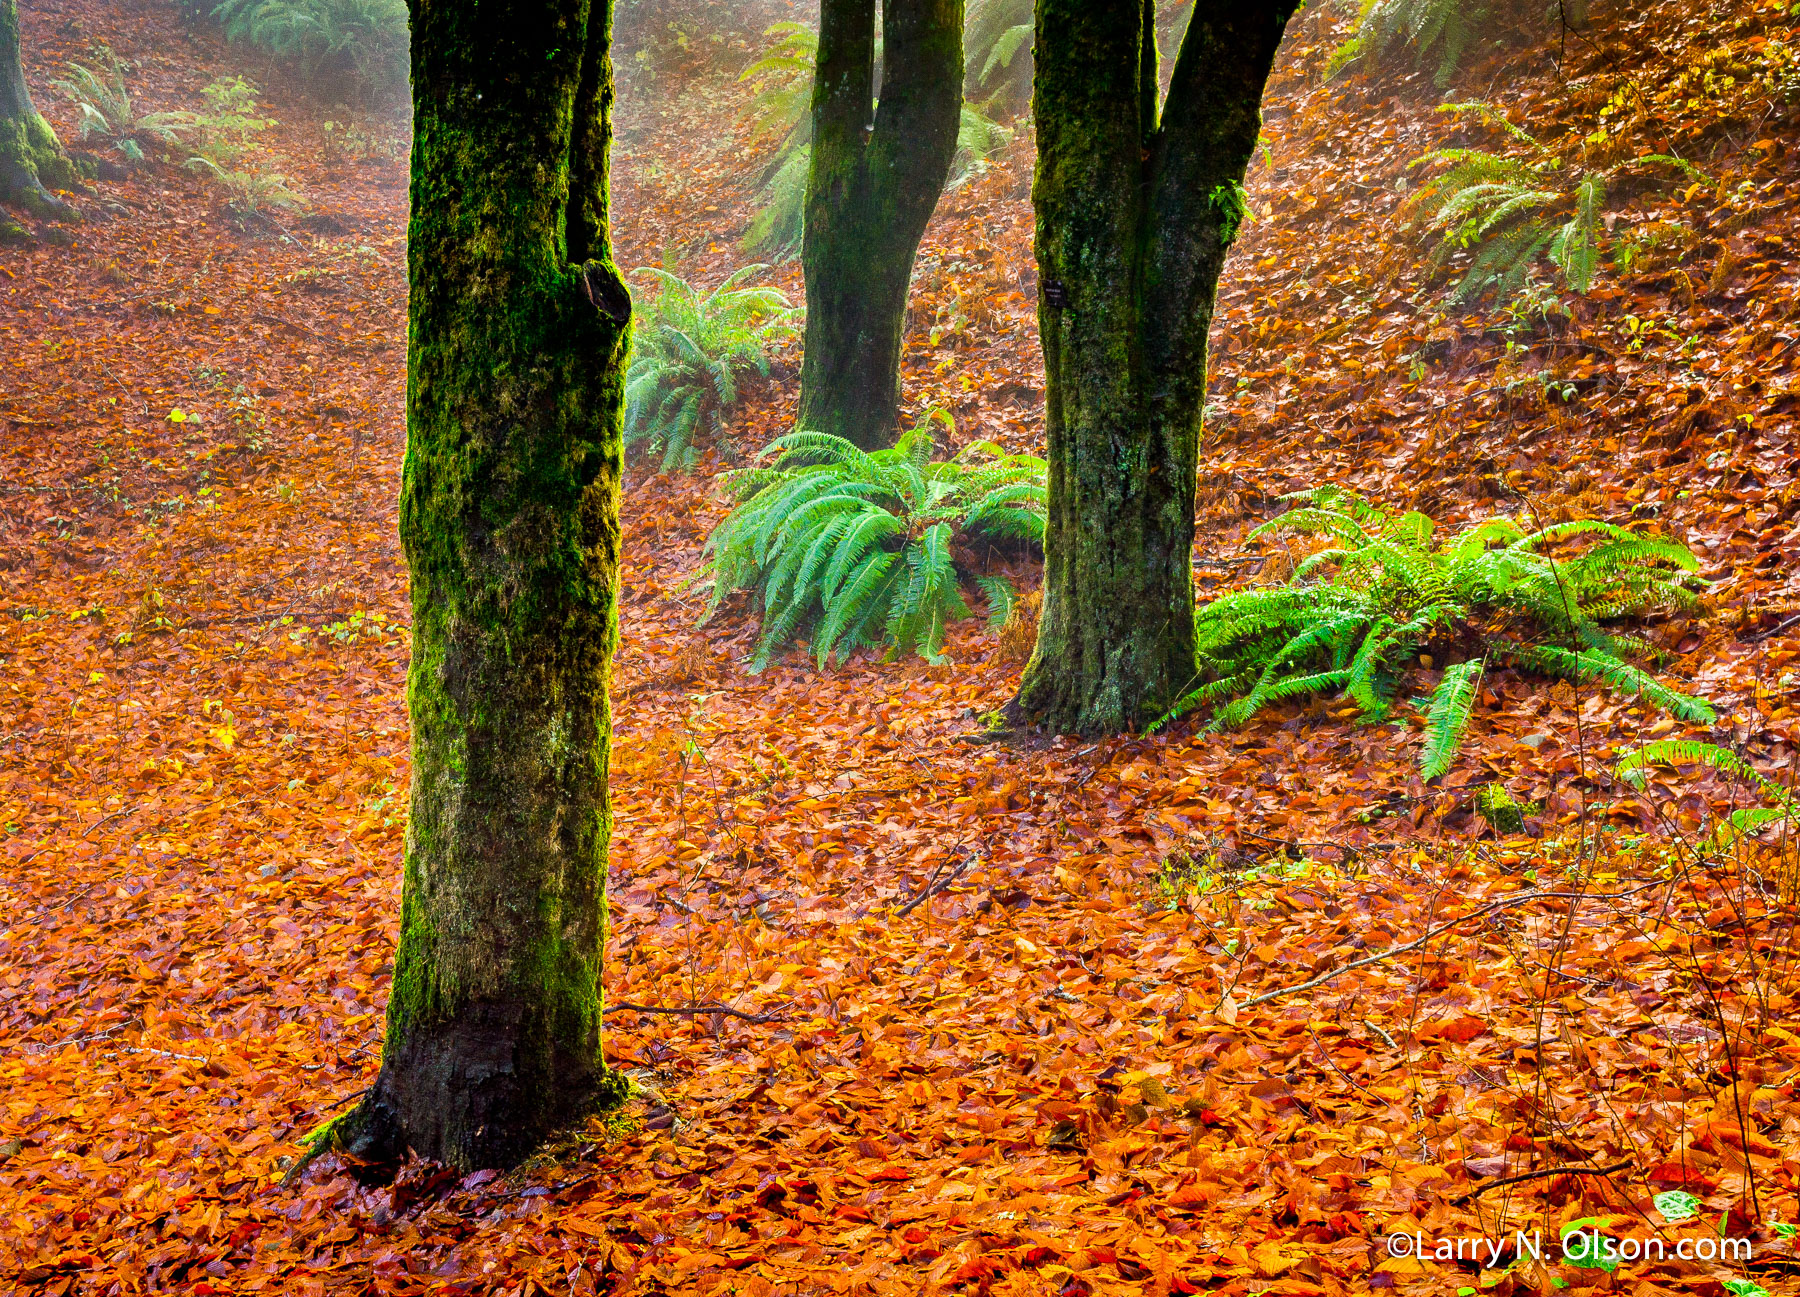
(693, 1011)
(1504, 903)
(1544, 1174)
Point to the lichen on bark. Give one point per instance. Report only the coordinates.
(509, 515)
(1130, 240)
(874, 179)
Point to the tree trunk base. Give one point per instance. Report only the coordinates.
(25, 164)
(373, 1136)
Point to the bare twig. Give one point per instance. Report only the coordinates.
(1504, 903)
(694, 1011)
(1544, 1174)
(937, 883)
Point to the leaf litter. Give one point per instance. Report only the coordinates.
(1184, 1014)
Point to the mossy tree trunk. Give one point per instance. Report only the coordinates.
(1135, 212)
(32, 162)
(874, 180)
(509, 515)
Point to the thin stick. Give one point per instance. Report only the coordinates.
(1505, 902)
(934, 886)
(694, 1011)
(1544, 1174)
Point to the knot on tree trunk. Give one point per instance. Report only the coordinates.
(606, 291)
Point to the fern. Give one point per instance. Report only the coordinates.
(1357, 614)
(1509, 210)
(690, 346)
(997, 62)
(1441, 31)
(783, 78)
(860, 546)
(1783, 807)
(1451, 706)
(104, 107)
(365, 41)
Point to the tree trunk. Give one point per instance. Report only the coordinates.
(509, 515)
(30, 156)
(1134, 216)
(870, 191)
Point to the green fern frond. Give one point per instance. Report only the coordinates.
(1452, 704)
(859, 544)
(1356, 615)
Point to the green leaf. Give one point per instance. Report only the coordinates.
(1677, 1205)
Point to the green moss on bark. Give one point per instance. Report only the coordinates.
(32, 161)
(517, 340)
(870, 192)
(1130, 243)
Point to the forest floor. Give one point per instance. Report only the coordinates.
(1189, 1013)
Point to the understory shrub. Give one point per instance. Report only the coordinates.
(688, 350)
(1510, 209)
(363, 41)
(858, 548)
(225, 137)
(1357, 615)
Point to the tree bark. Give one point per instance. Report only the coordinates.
(31, 158)
(1135, 212)
(874, 180)
(509, 516)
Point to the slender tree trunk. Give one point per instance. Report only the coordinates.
(509, 515)
(874, 181)
(1134, 216)
(30, 156)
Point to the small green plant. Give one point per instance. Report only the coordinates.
(859, 546)
(250, 193)
(104, 107)
(365, 41)
(1357, 614)
(978, 139)
(1506, 813)
(690, 347)
(1510, 209)
(1781, 806)
(228, 128)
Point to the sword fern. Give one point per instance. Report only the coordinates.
(859, 547)
(1358, 614)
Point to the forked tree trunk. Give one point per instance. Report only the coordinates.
(874, 181)
(1135, 212)
(31, 160)
(509, 515)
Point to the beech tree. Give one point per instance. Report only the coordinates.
(1135, 210)
(509, 516)
(31, 158)
(873, 182)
